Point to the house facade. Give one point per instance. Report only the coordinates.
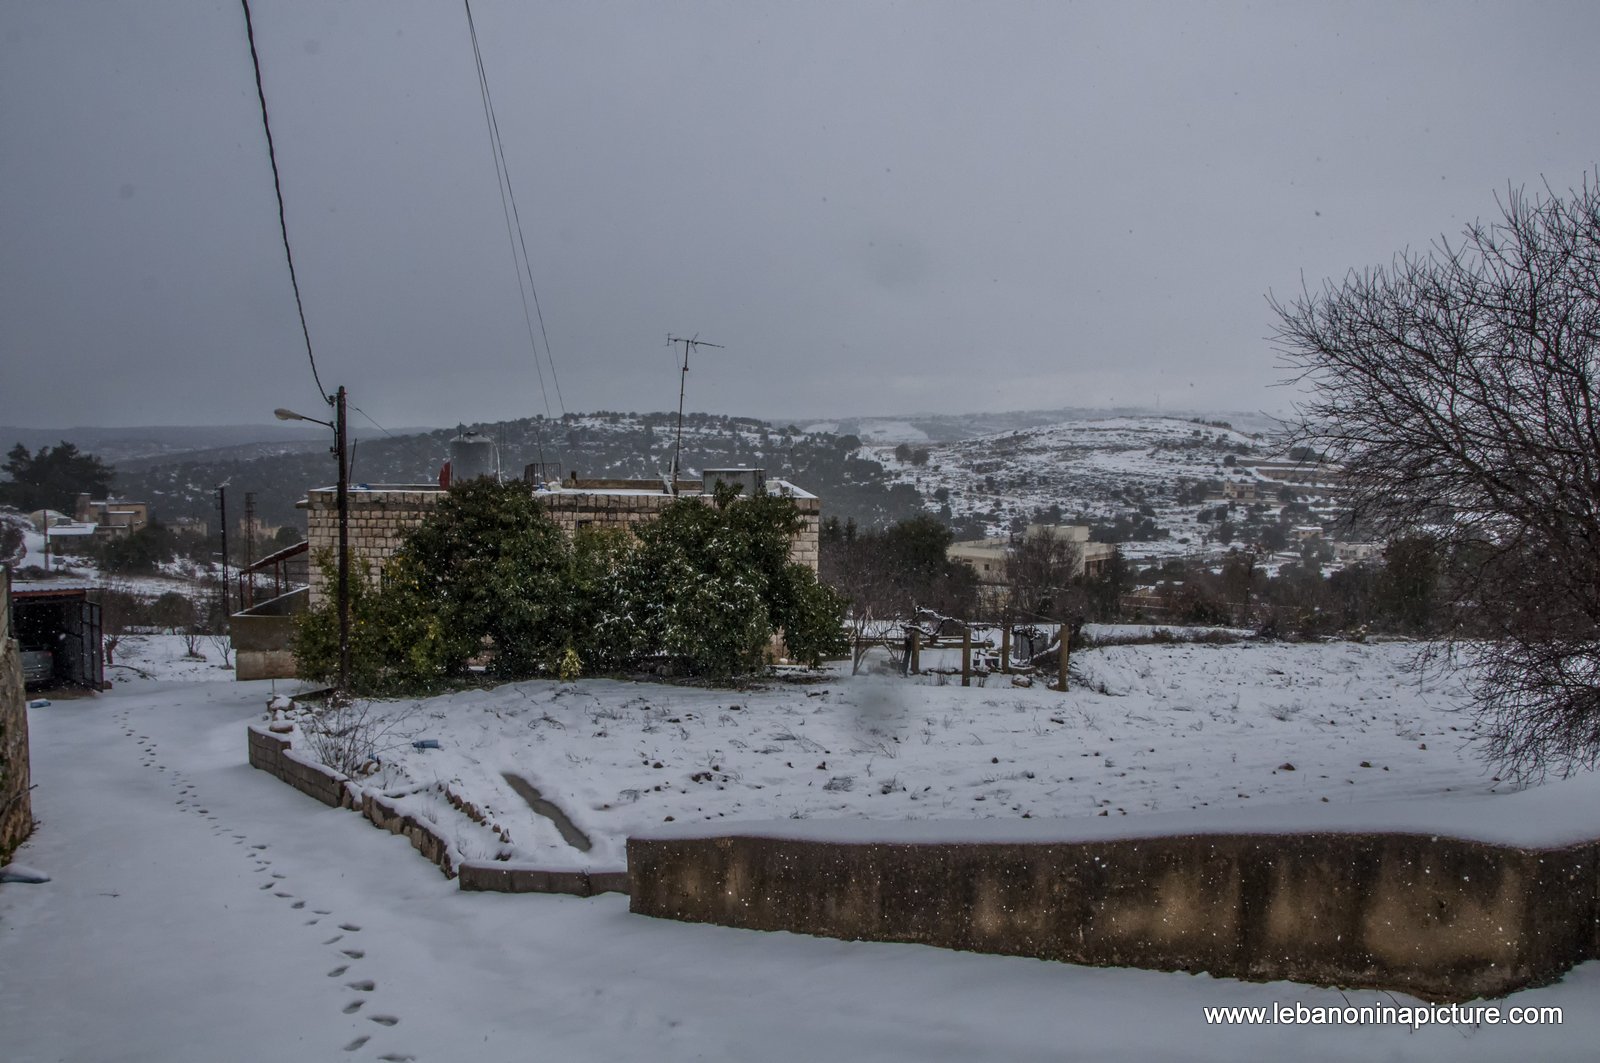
(382, 514)
(113, 518)
(989, 557)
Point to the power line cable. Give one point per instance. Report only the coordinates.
(513, 219)
(409, 442)
(277, 187)
(500, 186)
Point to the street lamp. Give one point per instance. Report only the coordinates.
(337, 401)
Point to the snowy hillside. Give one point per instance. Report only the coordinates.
(1079, 470)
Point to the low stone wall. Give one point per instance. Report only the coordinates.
(1439, 918)
(506, 878)
(273, 753)
(16, 806)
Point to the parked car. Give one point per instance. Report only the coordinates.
(38, 666)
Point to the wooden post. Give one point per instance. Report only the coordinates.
(1005, 649)
(916, 651)
(1062, 659)
(966, 656)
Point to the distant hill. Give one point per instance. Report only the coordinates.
(119, 445)
(984, 474)
(952, 427)
(601, 444)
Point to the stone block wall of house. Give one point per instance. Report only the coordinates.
(381, 515)
(16, 807)
(379, 518)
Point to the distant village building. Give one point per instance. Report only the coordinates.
(114, 518)
(1354, 553)
(989, 557)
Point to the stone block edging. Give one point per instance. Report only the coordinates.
(274, 754)
(1437, 917)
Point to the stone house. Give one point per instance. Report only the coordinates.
(381, 514)
(114, 518)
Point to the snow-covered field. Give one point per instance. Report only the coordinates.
(201, 910)
(1178, 727)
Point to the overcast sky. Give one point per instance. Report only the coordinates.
(877, 207)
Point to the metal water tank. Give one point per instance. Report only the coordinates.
(471, 456)
(753, 481)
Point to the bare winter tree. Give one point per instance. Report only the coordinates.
(1039, 574)
(1458, 389)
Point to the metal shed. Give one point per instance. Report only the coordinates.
(57, 617)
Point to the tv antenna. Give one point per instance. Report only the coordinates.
(692, 343)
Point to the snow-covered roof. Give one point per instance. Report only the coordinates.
(71, 528)
(23, 587)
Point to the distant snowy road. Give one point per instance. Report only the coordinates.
(203, 911)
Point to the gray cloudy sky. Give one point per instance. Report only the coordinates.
(878, 207)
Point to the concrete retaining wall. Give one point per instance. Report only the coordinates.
(272, 753)
(16, 806)
(1439, 918)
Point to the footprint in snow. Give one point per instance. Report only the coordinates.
(337, 971)
(363, 985)
(353, 1007)
(357, 1043)
(383, 1020)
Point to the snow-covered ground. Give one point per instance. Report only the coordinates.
(1155, 728)
(201, 910)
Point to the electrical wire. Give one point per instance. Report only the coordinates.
(514, 231)
(409, 442)
(277, 187)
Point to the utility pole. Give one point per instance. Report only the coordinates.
(341, 450)
(222, 510)
(683, 381)
(247, 583)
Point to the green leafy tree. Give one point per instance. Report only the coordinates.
(139, 553)
(53, 478)
(708, 586)
(493, 564)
